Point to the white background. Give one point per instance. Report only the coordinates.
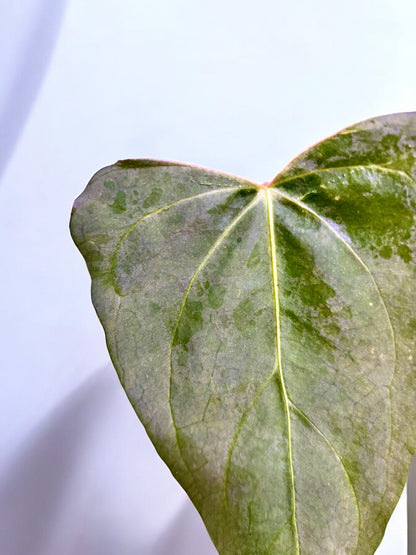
(238, 86)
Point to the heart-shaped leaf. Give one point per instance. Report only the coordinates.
(265, 334)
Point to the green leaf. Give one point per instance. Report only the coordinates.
(265, 334)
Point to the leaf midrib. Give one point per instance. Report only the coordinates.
(278, 370)
(275, 283)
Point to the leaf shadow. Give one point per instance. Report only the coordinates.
(18, 100)
(35, 483)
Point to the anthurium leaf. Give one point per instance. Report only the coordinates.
(265, 335)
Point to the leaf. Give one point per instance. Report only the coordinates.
(265, 334)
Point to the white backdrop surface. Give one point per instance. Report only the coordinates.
(228, 84)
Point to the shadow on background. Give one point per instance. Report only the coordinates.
(89, 482)
(34, 487)
(34, 60)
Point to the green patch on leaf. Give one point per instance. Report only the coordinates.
(119, 204)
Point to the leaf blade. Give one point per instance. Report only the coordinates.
(258, 333)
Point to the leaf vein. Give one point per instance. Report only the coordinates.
(237, 432)
(217, 243)
(156, 212)
(376, 167)
(337, 455)
(327, 224)
(277, 536)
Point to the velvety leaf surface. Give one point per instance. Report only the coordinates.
(265, 334)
